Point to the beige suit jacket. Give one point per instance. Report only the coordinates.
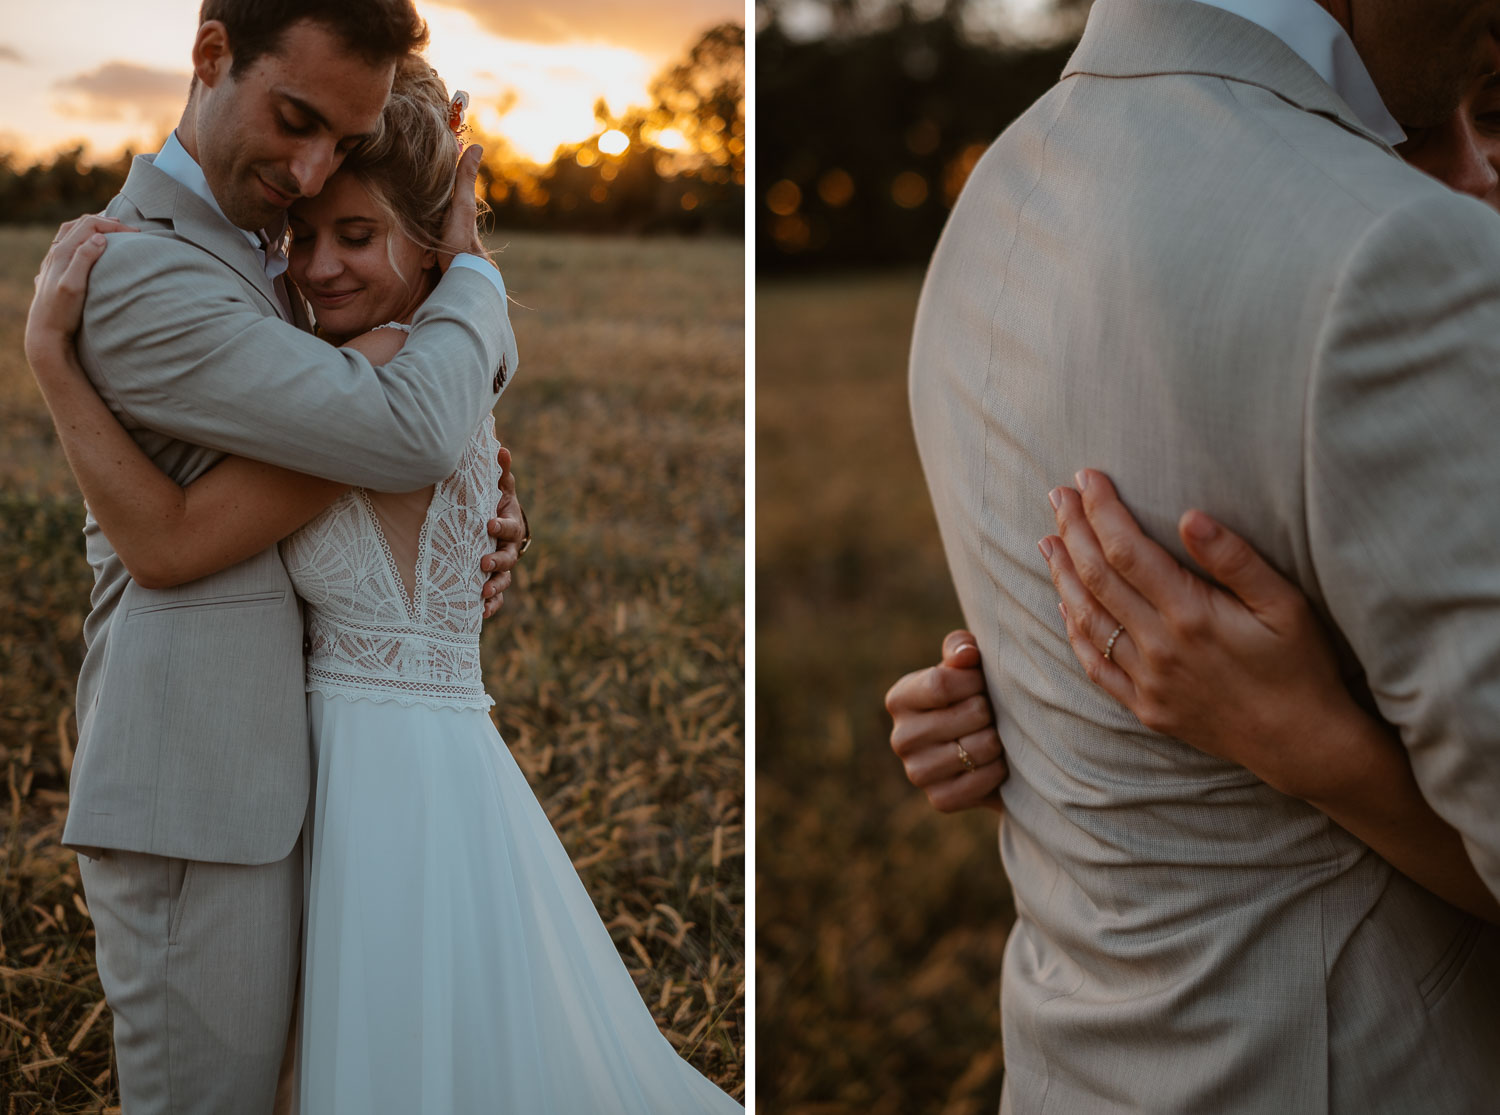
(191, 710)
(1189, 265)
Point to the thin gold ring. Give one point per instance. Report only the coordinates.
(1109, 647)
(964, 757)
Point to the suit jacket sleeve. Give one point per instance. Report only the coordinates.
(1403, 495)
(178, 344)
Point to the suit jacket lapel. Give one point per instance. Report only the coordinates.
(160, 197)
(1136, 38)
(300, 316)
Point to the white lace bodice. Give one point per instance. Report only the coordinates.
(365, 637)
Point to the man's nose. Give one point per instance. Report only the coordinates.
(314, 162)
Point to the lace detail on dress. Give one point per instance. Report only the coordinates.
(366, 638)
(401, 325)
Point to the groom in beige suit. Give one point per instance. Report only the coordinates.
(1197, 264)
(190, 783)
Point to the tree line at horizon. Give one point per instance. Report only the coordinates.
(866, 133)
(648, 186)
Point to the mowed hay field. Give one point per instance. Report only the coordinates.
(880, 923)
(617, 663)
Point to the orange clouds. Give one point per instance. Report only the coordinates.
(124, 90)
(661, 29)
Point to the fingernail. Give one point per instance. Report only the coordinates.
(1054, 497)
(1045, 545)
(1063, 608)
(1082, 477)
(1202, 528)
(97, 238)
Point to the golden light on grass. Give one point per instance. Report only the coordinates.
(836, 188)
(877, 955)
(784, 198)
(909, 189)
(586, 156)
(614, 142)
(690, 201)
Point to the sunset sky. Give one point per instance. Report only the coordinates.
(107, 75)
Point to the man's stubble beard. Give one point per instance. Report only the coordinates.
(1422, 54)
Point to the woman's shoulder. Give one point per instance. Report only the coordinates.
(381, 344)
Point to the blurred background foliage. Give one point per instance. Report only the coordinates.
(675, 166)
(871, 115)
(880, 924)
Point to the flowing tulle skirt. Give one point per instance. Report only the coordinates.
(455, 963)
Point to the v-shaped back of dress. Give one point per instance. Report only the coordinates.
(375, 634)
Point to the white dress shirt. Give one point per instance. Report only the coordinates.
(1320, 41)
(174, 161)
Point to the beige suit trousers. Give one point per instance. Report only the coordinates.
(199, 963)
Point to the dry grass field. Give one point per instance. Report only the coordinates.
(618, 661)
(880, 924)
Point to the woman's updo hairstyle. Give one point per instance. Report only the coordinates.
(410, 164)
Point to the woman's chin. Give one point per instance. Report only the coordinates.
(346, 323)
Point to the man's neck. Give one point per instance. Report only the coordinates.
(187, 132)
(1340, 10)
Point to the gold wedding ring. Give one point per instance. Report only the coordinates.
(964, 757)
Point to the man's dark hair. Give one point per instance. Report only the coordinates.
(377, 30)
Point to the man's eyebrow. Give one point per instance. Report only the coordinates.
(314, 115)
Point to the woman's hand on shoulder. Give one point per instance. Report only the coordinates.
(943, 730)
(61, 283)
(1244, 672)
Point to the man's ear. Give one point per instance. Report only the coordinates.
(212, 57)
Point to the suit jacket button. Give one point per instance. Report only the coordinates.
(499, 376)
(306, 645)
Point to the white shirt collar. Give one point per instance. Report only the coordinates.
(174, 161)
(1319, 40)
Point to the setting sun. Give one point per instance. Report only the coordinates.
(536, 96)
(614, 142)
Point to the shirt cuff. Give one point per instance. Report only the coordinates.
(484, 267)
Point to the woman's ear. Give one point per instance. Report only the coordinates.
(429, 260)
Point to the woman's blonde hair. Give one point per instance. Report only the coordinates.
(410, 164)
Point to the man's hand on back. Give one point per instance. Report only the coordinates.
(509, 530)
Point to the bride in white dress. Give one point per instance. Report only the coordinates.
(454, 962)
